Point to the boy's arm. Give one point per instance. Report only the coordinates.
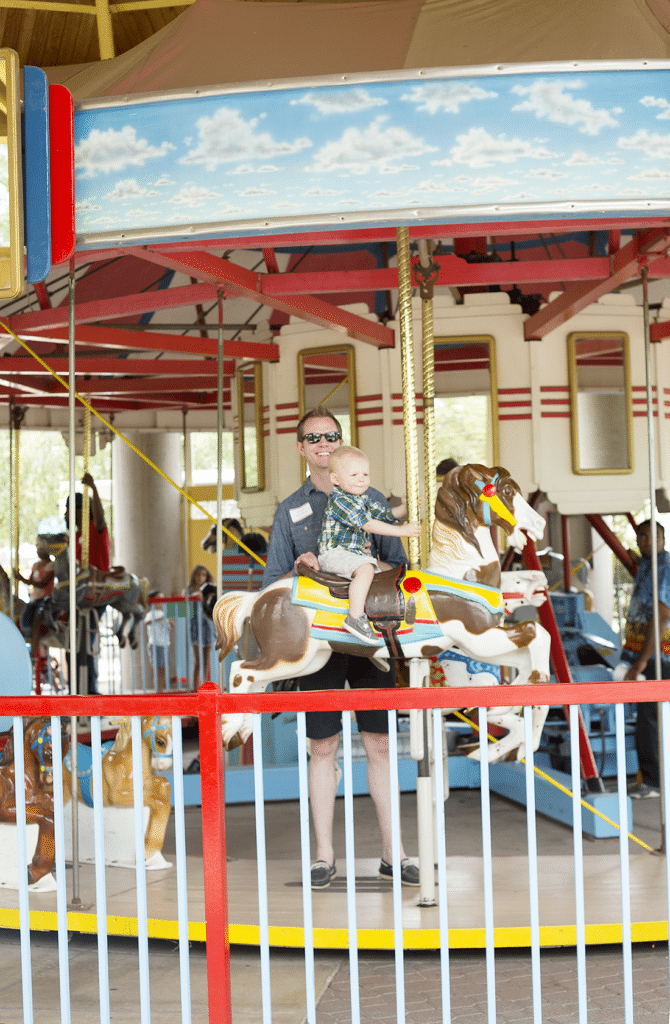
(392, 529)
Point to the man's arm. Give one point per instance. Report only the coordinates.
(97, 511)
(638, 667)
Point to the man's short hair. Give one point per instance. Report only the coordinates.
(319, 412)
(647, 522)
(342, 453)
(443, 467)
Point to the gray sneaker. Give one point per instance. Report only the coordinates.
(643, 792)
(361, 628)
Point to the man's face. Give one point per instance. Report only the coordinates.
(644, 540)
(317, 455)
(352, 475)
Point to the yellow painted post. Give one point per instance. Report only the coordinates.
(105, 33)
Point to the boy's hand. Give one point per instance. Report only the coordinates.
(411, 530)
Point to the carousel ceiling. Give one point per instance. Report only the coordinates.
(147, 318)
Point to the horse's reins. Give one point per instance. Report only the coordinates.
(491, 500)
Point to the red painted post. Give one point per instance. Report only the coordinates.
(214, 856)
(563, 675)
(603, 530)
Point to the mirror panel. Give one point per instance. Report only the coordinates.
(466, 399)
(600, 402)
(11, 184)
(250, 419)
(327, 376)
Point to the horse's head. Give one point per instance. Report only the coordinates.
(157, 734)
(472, 496)
(37, 739)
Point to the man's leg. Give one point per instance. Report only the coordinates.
(377, 750)
(322, 789)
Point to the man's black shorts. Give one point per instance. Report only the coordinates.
(361, 674)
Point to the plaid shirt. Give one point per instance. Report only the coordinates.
(344, 518)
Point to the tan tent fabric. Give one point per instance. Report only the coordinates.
(453, 33)
(216, 42)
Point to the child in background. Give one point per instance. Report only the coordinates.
(202, 629)
(158, 639)
(41, 583)
(349, 518)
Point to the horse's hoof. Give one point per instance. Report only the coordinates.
(122, 641)
(235, 741)
(47, 883)
(133, 644)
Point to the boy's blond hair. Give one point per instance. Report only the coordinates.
(342, 454)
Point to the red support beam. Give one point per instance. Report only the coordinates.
(102, 367)
(239, 281)
(119, 337)
(625, 265)
(611, 539)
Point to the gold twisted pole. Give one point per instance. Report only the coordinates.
(408, 389)
(428, 344)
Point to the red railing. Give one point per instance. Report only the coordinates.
(209, 702)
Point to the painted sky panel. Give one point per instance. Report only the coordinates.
(428, 148)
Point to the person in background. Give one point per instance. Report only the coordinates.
(41, 583)
(158, 638)
(638, 652)
(295, 539)
(202, 631)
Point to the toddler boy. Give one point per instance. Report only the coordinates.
(349, 517)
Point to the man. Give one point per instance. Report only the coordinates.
(638, 652)
(294, 539)
(98, 558)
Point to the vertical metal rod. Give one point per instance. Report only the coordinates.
(182, 883)
(262, 870)
(72, 553)
(578, 856)
(354, 986)
(651, 443)
(22, 855)
(565, 536)
(140, 871)
(440, 845)
(105, 30)
(408, 388)
(395, 848)
(100, 871)
(664, 752)
(487, 864)
(59, 864)
(185, 541)
(219, 460)
(624, 865)
(307, 917)
(13, 583)
(533, 884)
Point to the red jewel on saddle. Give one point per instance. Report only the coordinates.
(411, 584)
(489, 491)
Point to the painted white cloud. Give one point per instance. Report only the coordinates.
(491, 183)
(111, 150)
(344, 101)
(651, 174)
(259, 191)
(85, 206)
(242, 169)
(650, 143)
(546, 172)
(126, 189)
(654, 101)
(193, 195)
(321, 192)
(164, 181)
(268, 169)
(225, 136)
(360, 150)
(445, 97)
(478, 148)
(550, 98)
(396, 169)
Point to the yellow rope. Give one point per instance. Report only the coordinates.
(563, 789)
(113, 429)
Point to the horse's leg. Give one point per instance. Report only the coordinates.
(157, 799)
(512, 721)
(135, 619)
(119, 634)
(237, 727)
(43, 859)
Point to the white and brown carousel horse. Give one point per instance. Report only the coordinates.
(39, 792)
(95, 589)
(456, 603)
(117, 778)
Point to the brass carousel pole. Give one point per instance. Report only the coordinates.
(418, 667)
(426, 274)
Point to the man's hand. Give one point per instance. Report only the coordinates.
(309, 559)
(632, 674)
(88, 481)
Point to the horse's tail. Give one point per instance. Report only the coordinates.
(228, 616)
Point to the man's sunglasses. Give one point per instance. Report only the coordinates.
(331, 437)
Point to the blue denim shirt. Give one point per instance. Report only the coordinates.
(297, 526)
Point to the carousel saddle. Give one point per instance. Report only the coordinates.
(99, 576)
(385, 601)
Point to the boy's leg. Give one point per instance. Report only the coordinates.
(359, 587)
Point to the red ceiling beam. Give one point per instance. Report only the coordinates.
(239, 281)
(143, 385)
(120, 337)
(625, 265)
(123, 367)
(112, 308)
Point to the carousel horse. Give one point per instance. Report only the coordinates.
(456, 603)
(38, 775)
(117, 778)
(95, 589)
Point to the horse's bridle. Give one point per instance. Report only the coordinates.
(38, 745)
(150, 732)
(491, 500)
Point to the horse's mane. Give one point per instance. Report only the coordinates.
(123, 737)
(458, 499)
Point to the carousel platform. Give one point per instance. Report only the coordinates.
(602, 887)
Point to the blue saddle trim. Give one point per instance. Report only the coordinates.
(85, 768)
